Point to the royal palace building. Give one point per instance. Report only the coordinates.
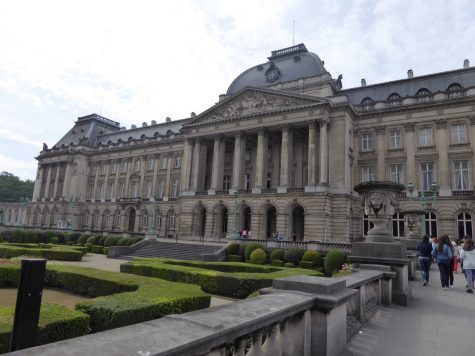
(279, 153)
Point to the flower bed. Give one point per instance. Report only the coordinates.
(236, 280)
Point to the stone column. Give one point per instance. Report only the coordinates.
(215, 183)
(155, 174)
(196, 164)
(410, 169)
(381, 152)
(130, 168)
(48, 182)
(261, 161)
(168, 179)
(324, 126)
(186, 167)
(443, 168)
(96, 179)
(56, 181)
(67, 180)
(472, 132)
(312, 138)
(143, 163)
(115, 193)
(106, 183)
(239, 147)
(38, 184)
(285, 159)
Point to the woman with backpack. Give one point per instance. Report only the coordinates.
(425, 259)
(467, 255)
(443, 255)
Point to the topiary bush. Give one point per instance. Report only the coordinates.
(83, 239)
(88, 246)
(289, 264)
(294, 255)
(97, 249)
(101, 240)
(111, 241)
(122, 241)
(277, 263)
(233, 248)
(30, 236)
(258, 256)
(60, 236)
(250, 247)
(93, 240)
(306, 264)
(16, 237)
(334, 261)
(234, 258)
(73, 237)
(49, 235)
(42, 237)
(105, 250)
(277, 254)
(54, 240)
(50, 252)
(312, 256)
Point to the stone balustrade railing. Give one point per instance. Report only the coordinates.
(299, 315)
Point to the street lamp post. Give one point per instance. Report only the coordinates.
(423, 198)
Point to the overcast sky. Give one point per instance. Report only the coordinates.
(135, 61)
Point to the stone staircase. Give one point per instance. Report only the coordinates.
(180, 251)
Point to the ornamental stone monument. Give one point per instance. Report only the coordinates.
(413, 225)
(379, 199)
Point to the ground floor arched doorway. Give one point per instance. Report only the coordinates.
(199, 221)
(221, 221)
(131, 220)
(270, 221)
(244, 217)
(298, 224)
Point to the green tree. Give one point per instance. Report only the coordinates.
(12, 188)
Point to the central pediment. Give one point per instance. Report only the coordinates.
(253, 101)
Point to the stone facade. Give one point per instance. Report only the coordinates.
(280, 152)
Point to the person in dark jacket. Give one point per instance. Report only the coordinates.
(443, 254)
(425, 250)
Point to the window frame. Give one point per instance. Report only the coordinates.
(458, 139)
(367, 142)
(461, 169)
(427, 188)
(400, 173)
(399, 136)
(425, 129)
(369, 173)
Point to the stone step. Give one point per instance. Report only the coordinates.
(172, 250)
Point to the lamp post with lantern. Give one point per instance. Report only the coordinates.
(423, 197)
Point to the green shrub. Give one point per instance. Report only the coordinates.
(258, 257)
(312, 256)
(88, 246)
(333, 262)
(49, 235)
(62, 253)
(294, 255)
(30, 236)
(277, 263)
(234, 258)
(289, 264)
(251, 247)
(111, 241)
(54, 240)
(56, 323)
(101, 241)
(306, 264)
(60, 236)
(233, 248)
(97, 248)
(42, 237)
(1, 238)
(122, 241)
(133, 240)
(130, 241)
(74, 236)
(93, 240)
(277, 254)
(105, 250)
(83, 239)
(16, 236)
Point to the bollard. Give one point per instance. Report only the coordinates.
(28, 304)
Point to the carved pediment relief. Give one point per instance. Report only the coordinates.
(251, 102)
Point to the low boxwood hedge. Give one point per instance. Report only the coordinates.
(56, 323)
(62, 253)
(97, 249)
(234, 258)
(119, 299)
(239, 280)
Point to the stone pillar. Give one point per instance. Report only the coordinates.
(130, 168)
(261, 161)
(56, 181)
(381, 151)
(48, 182)
(324, 152)
(96, 179)
(285, 159)
(143, 163)
(186, 167)
(472, 132)
(215, 184)
(155, 174)
(239, 148)
(312, 144)
(38, 184)
(410, 168)
(168, 179)
(196, 164)
(67, 180)
(443, 168)
(115, 193)
(106, 183)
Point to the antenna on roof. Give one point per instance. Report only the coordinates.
(293, 32)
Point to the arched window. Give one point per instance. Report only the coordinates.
(394, 100)
(431, 224)
(423, 95)
(367, 225)
(455, 90)
(464, 224)
(367, 104)
(398, 225)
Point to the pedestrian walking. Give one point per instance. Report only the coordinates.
(456, 256)
(425, 248)
(467, 255)
(443, 255)
(451, 264)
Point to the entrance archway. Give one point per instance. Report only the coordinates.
(298, 223)
(270, 221)
(131, 220)
(221, 221)
(245, 217)
(199, 221)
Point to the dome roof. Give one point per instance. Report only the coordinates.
(284, 65)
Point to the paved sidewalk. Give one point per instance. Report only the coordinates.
(437, 322)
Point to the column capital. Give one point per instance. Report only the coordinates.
(312, 123)
(324, 123)
(285, 127)
(262, 130)
(441, 124)
(380, 130)
(472, 120)
(411, 127)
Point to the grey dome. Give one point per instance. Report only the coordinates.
(284, 65)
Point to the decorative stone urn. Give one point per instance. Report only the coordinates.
(379, 199)
(412, 222)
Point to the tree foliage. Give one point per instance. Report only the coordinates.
(12, 188)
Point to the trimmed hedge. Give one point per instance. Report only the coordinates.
(239, 280)
(233, 248)
(312, 256)
(294, 255)
(122, 299)
(56, 323)
(122, 241)
(289, 264)
(30, 236)
(334, 261)
(258, 257)
(277, 263)
(111, 241)
(61, 253)
(83, 239)
(250, 247)
(306, 264)
(93, 240)
(277, 254)
(234, 258)
(97, 248)
(16, 236)
(73, 237)
(105, 250)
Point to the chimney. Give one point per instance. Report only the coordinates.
(410, 74)
(192, 114)
(133, 127)
(144, 124)
(221, 97)
(466, 63)
(363, 82)
(168, 119)
(153, 122)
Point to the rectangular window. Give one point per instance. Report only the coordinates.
(161, 188)
(427, 175)
(395, 139)
(122, 190)
(425, 136)
(137, 164)
(175, 187)
(104, 168)
(150, 164)
(461, 175)
(367, 142)
(177, 161)
(396, 173)
(247, 181)
(134, 189)
(458, 133)
(163, 163)
(367, 174)
(110, 189)
(100, 190)
(226, 182)
(148, 188)
(247, 155)
(90, 189)
(113, 167)
(125, 166)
